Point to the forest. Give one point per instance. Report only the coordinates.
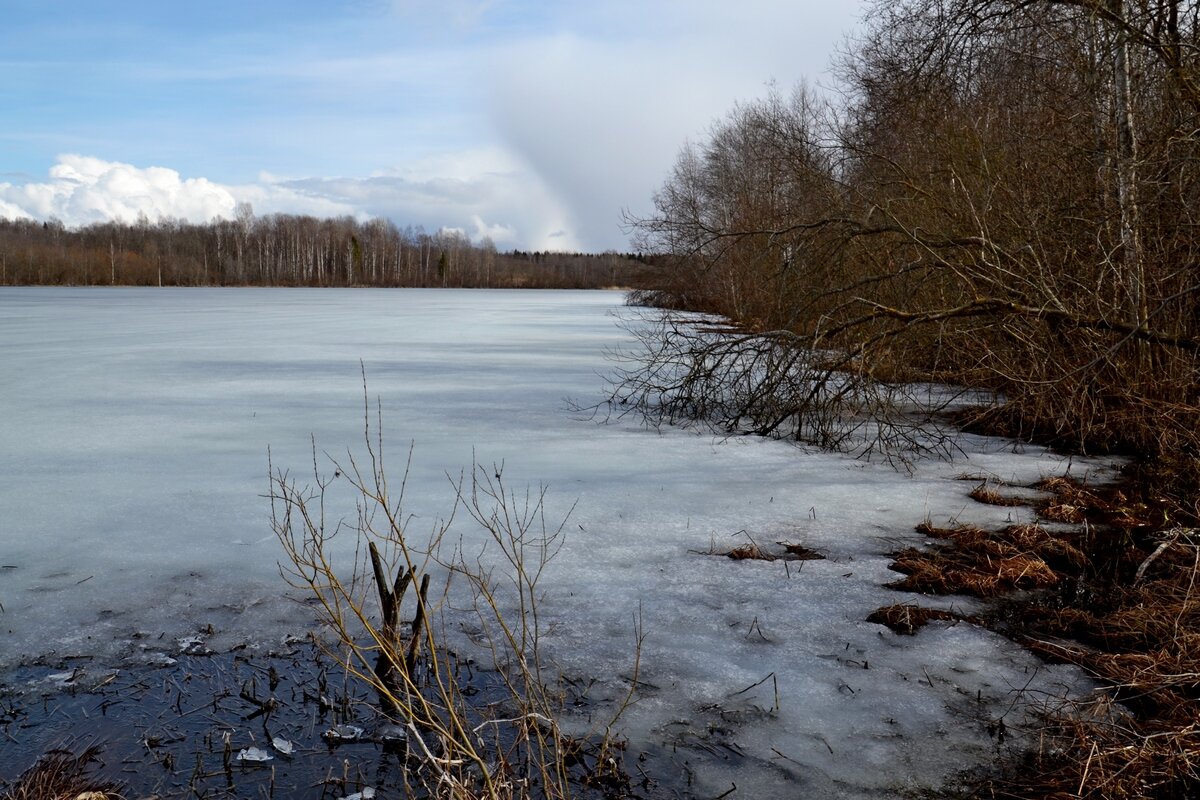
(286, 250)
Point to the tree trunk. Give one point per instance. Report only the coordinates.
(1132, 267)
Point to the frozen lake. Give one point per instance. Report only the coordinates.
(133, 464)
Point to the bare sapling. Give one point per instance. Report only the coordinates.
(511, 748)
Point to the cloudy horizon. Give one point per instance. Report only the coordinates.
(533, 124)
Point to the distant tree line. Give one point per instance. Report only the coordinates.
(286, 250)
(1004, 194)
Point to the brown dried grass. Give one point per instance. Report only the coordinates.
(1115, 599)
(1058, 485)
(978, 562)
(1063, 512)
(62, 775)
(1025, 572)
(1103, 756)
(1135, 625)
(985, 494)
(798, 552)
(749, 551)
(922, 574)
(752, 551)
(1074, 503)
(907, 619)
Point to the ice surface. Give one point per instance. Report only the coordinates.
(133, 460)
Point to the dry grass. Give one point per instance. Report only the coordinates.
(1063, 512)
(1074, 502)
(975, 562)
(1145, 643)
(798, 552)
(62, 775)
(1104, 755)
(749, 551)
(753, 551)
(1119, 601)
(985, 494)
(907, 619)
(1148, 652)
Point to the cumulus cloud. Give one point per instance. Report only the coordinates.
(11, 211)
(501, 234)
(480, 193)
(275, 198)
(82, 190)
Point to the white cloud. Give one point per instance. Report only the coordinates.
(499, 234)
(11, 211)
(273, 198)
(84, 189)
(481, 193)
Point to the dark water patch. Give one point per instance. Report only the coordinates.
(288, 723)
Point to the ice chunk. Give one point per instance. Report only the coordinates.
(63, 678)
(193, 646)
(254, 754)
(393, 733)
(343, 733)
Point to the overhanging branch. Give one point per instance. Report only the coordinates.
(992, 306)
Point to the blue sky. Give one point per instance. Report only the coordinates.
(534, 123)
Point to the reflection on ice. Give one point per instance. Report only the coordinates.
(133, 461)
